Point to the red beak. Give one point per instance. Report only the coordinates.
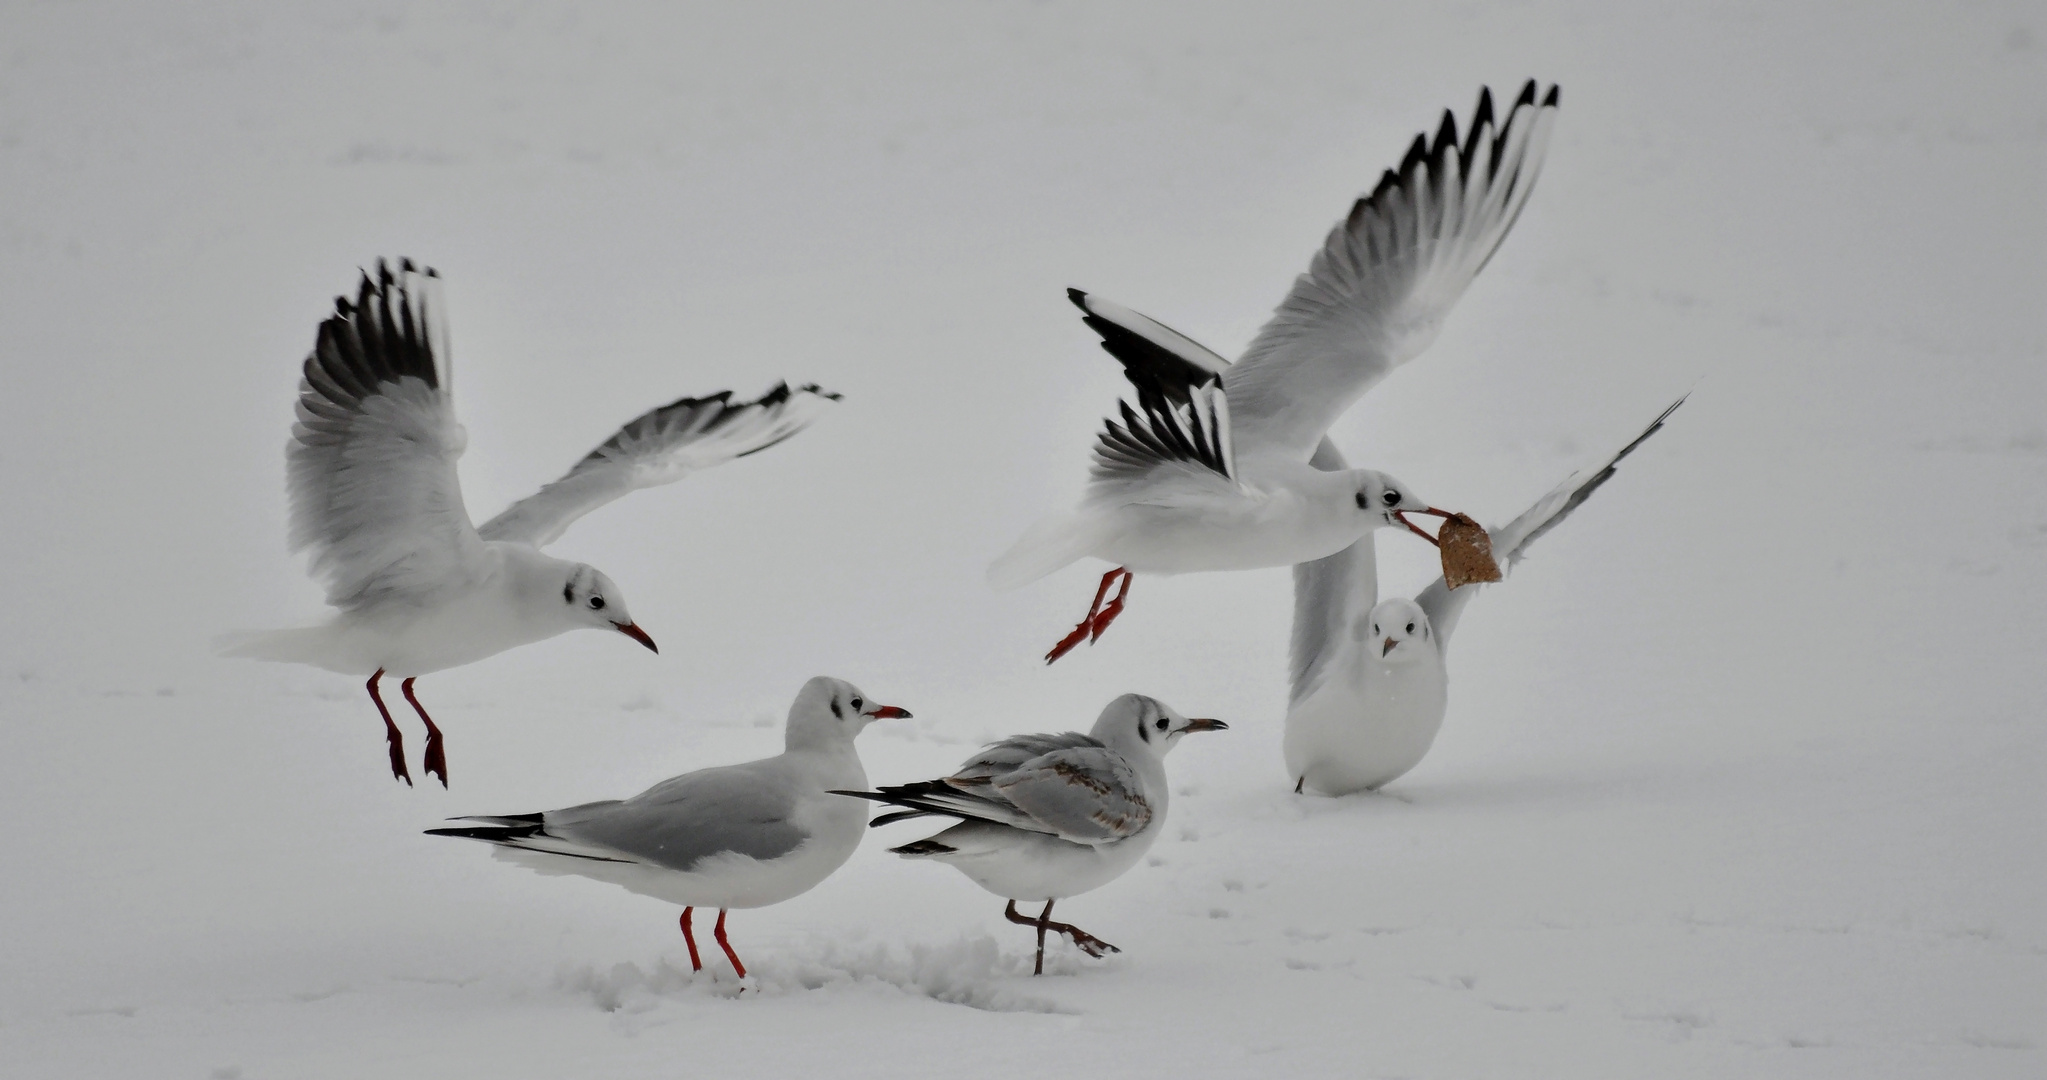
(889, 712)
(633, 631)
(1388, 646)
(1415, 529)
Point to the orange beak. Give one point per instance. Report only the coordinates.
(633, 631)
(889, 712)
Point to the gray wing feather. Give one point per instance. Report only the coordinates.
(371, 462)
(1378, 290)
(659, 447)
(1191, 439)
(1001, 757)
(1329, 595)
(1443, 605)
(680, 822)
(1086, 794)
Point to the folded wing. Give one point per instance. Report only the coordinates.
(371, 463)
(1377, 292)
(659, 447)
(1074, 788)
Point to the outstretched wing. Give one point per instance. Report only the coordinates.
(1329, 596)
(371, 463)
(1388, 274)
(1157, 359)
(659, 447)
(1168, 452)
(1443, 604)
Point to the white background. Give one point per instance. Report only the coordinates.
(1742, 774)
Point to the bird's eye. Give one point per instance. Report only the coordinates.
(1410, 628)
(1162, 723)
(596, 603)
(1391, 498)
(857, 703)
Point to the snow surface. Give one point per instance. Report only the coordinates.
(1743, 770)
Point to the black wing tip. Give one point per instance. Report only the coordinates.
(819, 391)
(497, 834)
(924, 847)
(1078, 298)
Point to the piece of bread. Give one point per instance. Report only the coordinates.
(1467, 552)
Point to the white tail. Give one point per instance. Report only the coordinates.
(298, 645)
(1050, 544)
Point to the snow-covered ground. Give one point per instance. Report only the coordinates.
(1743, 773)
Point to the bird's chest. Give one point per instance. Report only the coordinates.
(460, 629)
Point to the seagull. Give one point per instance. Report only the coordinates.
(734, 836)
(1211, 469)
(1045, 817)
(1369, 681)
(374, 496)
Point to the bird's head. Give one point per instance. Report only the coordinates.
(1389, 501)
(1395, 632)
(593, 601)
(1134, 719)
(830, 711)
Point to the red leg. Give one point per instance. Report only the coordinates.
(1012, 915)
(435, 760)
(1109, 613)
(391, 736)
(1044, 919)
(1086, 630)
(695, 963)
(719, 933)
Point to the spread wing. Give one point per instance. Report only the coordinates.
(675, 824)
(1443, 604)
(1388, 274)
(1170, 452)
(1329, 596)
(660, 447)
(371, 462)
(1077, 790)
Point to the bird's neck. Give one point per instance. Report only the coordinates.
(535, 580)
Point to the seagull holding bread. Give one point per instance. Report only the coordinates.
(735, 836)
(1045, 817)
(1370, 684)
(1210, 470)
(374, 497)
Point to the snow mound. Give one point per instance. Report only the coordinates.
(970, 971)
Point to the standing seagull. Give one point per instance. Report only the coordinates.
(1211, 471)
(735, 836)
(371, 467)
(1369, 682)
(1045, 817)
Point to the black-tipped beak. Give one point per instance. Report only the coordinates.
(633, 631)
(888, 712)
(1388, 647)
(1416, 529)
(1205, 724)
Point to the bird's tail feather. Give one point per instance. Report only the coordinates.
(297, 645)
(1047, 546)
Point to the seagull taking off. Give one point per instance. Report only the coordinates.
(735, 836)
(1045, 817)
(374, 495)
(1369, 682)
(1211, 470)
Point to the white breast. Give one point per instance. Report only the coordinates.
(1367, 724)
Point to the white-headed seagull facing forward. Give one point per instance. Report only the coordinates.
(1211, 470)
(1045, 817)
(374, 496)
(732, 836)
(1370, 682)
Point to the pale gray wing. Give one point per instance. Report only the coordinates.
(1086, 794)
(1378, 290)
(1330, 595)
(371, 463)
(660, 447)
(1443, 604)
(1001, 757)
(742, 809)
